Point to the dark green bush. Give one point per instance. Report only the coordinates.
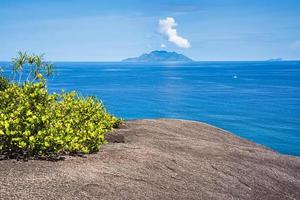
(4, 83)
(35, 123)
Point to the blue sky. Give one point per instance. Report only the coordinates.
(109, 30)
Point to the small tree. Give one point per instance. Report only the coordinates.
(38, 68)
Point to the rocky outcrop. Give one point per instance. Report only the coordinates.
(159, 159)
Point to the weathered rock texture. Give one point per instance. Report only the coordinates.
(160, 159)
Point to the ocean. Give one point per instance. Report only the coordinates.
(259, 101)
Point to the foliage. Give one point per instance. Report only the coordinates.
(34, 122)
(4, 83)
(38, 68)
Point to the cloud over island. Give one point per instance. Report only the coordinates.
(166, 28)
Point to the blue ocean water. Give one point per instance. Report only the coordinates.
(259, 101)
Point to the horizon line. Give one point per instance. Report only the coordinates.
(121, 61)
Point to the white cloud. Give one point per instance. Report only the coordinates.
(166, 27)
(163, 46)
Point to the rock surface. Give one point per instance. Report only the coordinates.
(160, 159)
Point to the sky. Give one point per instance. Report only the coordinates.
(110, 30)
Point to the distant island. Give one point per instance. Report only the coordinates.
(159, 56)
(275, 60)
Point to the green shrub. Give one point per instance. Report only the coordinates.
(4, 83)
(36, 123)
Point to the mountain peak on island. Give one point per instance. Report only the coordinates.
(160, 56)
